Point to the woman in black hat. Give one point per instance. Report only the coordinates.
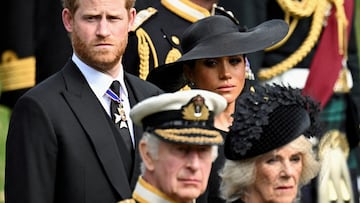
(214, 59)
(268, 149)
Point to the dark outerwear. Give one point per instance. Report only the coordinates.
(62, 147)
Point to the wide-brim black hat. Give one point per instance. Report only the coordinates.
(268, 118)
(212, 37)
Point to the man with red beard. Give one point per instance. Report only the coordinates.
(63, 144)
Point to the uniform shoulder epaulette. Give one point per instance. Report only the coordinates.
(142, 16)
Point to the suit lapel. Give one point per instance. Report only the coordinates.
(133, 101)
(134, 98)
(92, 117)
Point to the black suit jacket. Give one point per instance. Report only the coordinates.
(61, 145)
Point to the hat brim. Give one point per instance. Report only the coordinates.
(193, 136)
(170, 76)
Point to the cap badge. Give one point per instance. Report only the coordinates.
(196, 110)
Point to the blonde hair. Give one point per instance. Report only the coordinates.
(237, 176)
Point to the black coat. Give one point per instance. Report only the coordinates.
(61, 145)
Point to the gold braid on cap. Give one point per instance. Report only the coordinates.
(180, 135)
(295, 10)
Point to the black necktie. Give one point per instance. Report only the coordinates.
(119, 117)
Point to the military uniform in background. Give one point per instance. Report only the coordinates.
(34, 45)
(143, 4)
(290, 63)
(155, 39)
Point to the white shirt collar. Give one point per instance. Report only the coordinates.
(99, 82)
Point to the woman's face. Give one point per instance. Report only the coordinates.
(277, 176)
(224, 75)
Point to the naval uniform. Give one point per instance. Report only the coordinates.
(145, 192)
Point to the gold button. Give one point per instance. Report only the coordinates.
(175, 40)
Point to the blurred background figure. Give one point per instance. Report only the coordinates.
(326, 70)
(34, 45)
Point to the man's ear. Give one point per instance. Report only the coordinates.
(67, 19)
(146, 157)
(132, 15)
